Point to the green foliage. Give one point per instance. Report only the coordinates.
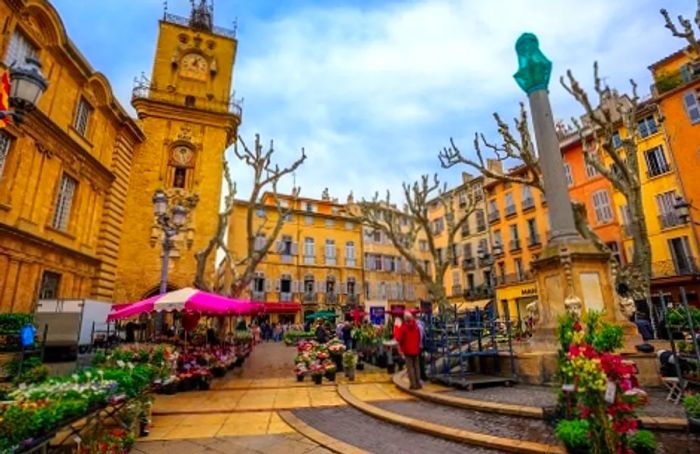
(349, 359)
(565, 331)
(12, 323)
(573, 433)
(608, 338)
(691, 403)
(643, 442)
(292, 337)
(678, 317)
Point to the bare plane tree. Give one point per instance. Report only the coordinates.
(406, 227)
(266, 177)
(688, 32)
(602, 122)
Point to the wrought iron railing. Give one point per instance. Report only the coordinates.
(668, 220)
(331, 298)
(684, 266)
(286, 296)
(480, 227)
(469, 263)
(494, 216)
(534, 240)
(528, 203)
(514, 245)
(145, 91)
(479, 293)
(185, 22)
(456, 290)
(309, 298)
(258, 296)
(511, 210)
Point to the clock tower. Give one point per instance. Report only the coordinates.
(189, 118)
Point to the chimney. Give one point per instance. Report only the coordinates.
(467, 177)
(494, 165)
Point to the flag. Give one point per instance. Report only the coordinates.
(5, 97)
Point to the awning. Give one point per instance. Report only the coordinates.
(471, 305)
(281, 308)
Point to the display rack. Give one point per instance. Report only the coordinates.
(692, 359)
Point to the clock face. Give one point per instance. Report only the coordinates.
(182, 156)
(194, 66)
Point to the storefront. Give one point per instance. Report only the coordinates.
(513, 300)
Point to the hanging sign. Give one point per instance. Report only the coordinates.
(377, 315)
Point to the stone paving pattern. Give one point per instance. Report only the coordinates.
(542, 396)
(356, 428)
(504, 426)
(282, 444)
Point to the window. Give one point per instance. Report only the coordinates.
(19, 49)
(309, 251)
(616, 140)
(377, 236)
(49, 285)
(510, 205)
(190, 101)
(614, 251)
(692, 106)
(601, 204)
(5, 141)
(259, 283)
(330, 252)
(480, 221)
(680, 252)
(351, 286)
(308, 220)
(519, 270)
(377, 262)
(533, 236)
(350, 253)
(259, 242)
(625, 215)
(438, 226)
(668, 216)
(462, 199)
(423, 245)
(287, 246)
(656, 161)
(179, 177)
(309, 207)
(286, 288)
(647, 126)
(470, 281)
(82, 117)
(591, 171)
(330, 222)
(66, 191)
(467, 250)
(483, 247)
(349, 225)
(497, 238)
(514, 237)
(568, 175)
(330, 285)
(309, 284)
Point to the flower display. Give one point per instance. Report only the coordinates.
(336, 347)
(316, 369)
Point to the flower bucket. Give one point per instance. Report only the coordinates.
(330, 376)
(350, 373)
(318, 379)
(300, 377)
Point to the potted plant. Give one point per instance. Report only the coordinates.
(316, 370)
(349, 364)
(691, 403)
(643, 442)
(330, 369)
(574, 435)
(300, 371)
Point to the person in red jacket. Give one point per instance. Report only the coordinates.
(409, 342)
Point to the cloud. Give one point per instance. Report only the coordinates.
(372, 90)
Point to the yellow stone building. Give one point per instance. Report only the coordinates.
(189, 119)
(316, 260)
(468, 277)
(64, 172)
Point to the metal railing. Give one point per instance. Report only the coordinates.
(456, 290)
(331, 298)
(469, 263)
(479, 293)
(287, 258)
(494, 216)
(511, 210)
(528, 203)
(145, 91)
(668, 220)
(480, 227)
(668, 268)
(534, 240)
(331, 261)
(309, 260)
(286, 296)
(258, 296)
(309, 298)
(514, 245)
(352, 299)
(185, 22)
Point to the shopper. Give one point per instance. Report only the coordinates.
(409, 341)
(321, 334)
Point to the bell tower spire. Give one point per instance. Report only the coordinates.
(202, 16)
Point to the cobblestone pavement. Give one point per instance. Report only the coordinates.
(356, 428)
(290, 443)
(542, 396)
(504, 426)
(676, 443)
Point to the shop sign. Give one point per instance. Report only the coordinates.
(529, 291)
(377, 315)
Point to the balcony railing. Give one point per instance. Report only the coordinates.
(456, 290)
(479, 293)
(494, 216)
(511, 210)
(627, 230)
(331, 298)
(352, 299)
(286, 296)
(485, 262)
(528, 204)
(534, 241)
(332, 261)
(287, 258)
(669, 268)
(480, 227)
(469, 263)
(514, 245)
(144, 90)
(185, 22)
(309, 298)
(258, 296)
(309, 260)
(350, 262)
(513, 278)
(669, 220)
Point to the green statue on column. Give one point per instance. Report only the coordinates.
(534, 68)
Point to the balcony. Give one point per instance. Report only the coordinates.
(528, 204)
(309, 298)
(258, 296)
(186, 22)
(511, 211)
(287, 259)
(514, 245)
(352, 299)
(309, 260)
(494, 216)
(145, 90)
(351, 262)
(465, 230)
(670, 268)
(331, 298)
(514, 278)
(480, 227)
(469, 263)
(286, 296)
(332, 261)
(479, 293)
(672, 219)
(497, 250)
(674, 79)
(456, 290)
(534, 241)
(485, 262)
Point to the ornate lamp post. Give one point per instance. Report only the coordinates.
(682, 208)
(27, 84)
(170, 222)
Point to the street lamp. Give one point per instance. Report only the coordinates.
(682, 208)
(27, 84)
(170, 222)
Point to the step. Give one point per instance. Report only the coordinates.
(465, 426)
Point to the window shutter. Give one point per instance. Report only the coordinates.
(278, 285)
(692, 106)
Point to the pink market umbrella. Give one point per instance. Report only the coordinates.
(187, 299)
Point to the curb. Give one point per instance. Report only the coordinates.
(470, 404)
(328, 442)
(648, 422)
(450, 433)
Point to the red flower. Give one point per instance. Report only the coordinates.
(625, 425)
(577, 326)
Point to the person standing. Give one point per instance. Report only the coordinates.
(321, 334)
(421, 359)
(409, 341)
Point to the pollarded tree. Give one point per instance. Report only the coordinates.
(266, 177)
(687, 33)
(405, 228)
(597, 130)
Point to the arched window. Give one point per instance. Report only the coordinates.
(180, 165)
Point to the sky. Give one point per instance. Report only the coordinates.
(374, 89)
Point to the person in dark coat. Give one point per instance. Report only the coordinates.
(409, 338)
(321, 334)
